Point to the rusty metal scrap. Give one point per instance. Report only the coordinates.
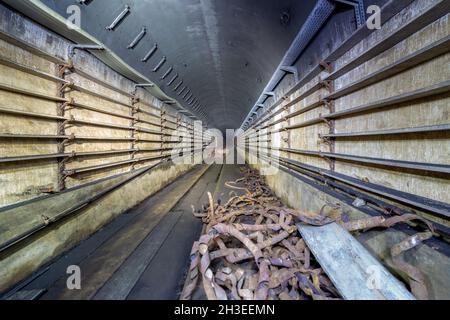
(250, 249)
(417, 279)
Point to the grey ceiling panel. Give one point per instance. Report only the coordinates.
(224, 51)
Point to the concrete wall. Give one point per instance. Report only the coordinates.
(427, 148)
(434, 264)
(423, 148)
(30, 192)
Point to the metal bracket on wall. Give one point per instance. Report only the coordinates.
(83, 47)
(326, 66)
(85, 2)
(320, 14)
(358, 5)
(141, 85)
(292, 70)
(269, 93)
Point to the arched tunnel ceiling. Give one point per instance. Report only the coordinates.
(224, 51)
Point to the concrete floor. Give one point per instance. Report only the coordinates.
(144, 253)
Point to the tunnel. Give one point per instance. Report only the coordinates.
(224, 150)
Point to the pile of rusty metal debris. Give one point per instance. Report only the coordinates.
(250, 248)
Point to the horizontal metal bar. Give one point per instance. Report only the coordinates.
(34, 157)
(166, 114)
(389, 10)
(425, 129)
(148, 113)
(157, 109)
(112, 164)
(86, 47)
(305, 94)
(72, 120)
(440, 168)
(149, 122)
(330, 186)
(440, 208)
(31, 114)
(104, 138)
(30, 48)
(425, 54)
(301, 124)
(99, 153)
(31, 70)
(307, 108)
(63, 155)
(397, 36)
(436, 89)
(101, 96)
(71, 137)
(436, 207)
(306, 78)
(98, 110)
(32, 136)
(81, 204)
(47, 76)
(100, 82)
(293, 114)
(282, 107)
(147, 141)
(34, 50)
(381, 132)
(33, 94)
(77, 154)
(99, 124)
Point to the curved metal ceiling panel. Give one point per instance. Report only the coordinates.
(224, 51)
